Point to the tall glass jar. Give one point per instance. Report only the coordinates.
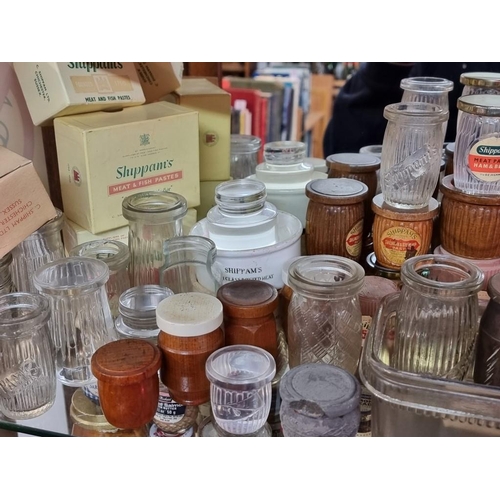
(117, 257)
(190, 265)
(40, 247)
(244, 155)
(324, 316)
(437, 319)
(154, 217)
(6, 284)
(411, 153)
(480, 83)
(81, 320)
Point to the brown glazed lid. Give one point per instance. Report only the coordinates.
(448, 188)
(248, 298)
(387, 211)
(332, 191)
(127, 361)
(355, 163)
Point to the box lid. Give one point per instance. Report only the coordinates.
(198, 86)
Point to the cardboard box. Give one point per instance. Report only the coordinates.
(207, 197)
(67, 88)
(104, 157)
(24, 203)
(158, 79)
(214, 107)
(74, 235)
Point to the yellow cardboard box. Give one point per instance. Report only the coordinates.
(214, 107)
(104, 157)
(67, 88)
(158, 79)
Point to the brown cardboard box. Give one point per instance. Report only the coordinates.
(24, 203)
(158, 79)
(214, 107)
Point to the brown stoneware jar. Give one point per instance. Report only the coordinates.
(400, 234)
(469, 224)
(334, 217)
(127, 381)
(190, 330)
(249, 307)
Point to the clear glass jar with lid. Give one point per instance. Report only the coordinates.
(480, 83)
(244, 155)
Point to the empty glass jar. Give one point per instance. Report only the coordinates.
(480, 83)
(411, 153)
(81, 320)
(244, 155)
(40, 247)
(6, 285)
(154, 217)
(27, 370)
(324, 315)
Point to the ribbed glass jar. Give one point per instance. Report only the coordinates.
(40, 247)
(244, 155)
(324, 315)
(480, 83)
(6, 284)
(154, 217)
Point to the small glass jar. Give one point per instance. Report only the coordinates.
(324, 316)
(437, 318)
(480, 83)
(117, 257)
(209, 428)
(411, 154)
(477, 145)
(27, 369)
(127, 380)
(190, 330)
(137, 312)
(81, 320)
(6, 284)
(244, 155)
(249, 308)
(335, 217)
(40, 247)
(319, 400)
(154, 217)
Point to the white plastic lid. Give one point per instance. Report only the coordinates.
(189, 314)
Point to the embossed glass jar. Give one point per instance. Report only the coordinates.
(480, 83)
(6, 284)
(244, 155)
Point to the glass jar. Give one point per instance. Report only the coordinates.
(6, 284)
(190, 265)
(437, 320)
(117, 257)
(449, 152)
(477, 145)
(377, 270)
(81, 320)
(40, 247)
(324, 316)
(480, 83)
(244, 155)
(137, 312)
(154, 217)
(209, 428)
(411, 154)
(319, 400)
(27, 369)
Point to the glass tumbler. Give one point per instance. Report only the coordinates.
(244, 155)
(81, 320)
(154, 217)
(190, 265)
(117, 256)
(240, 387)
(324, 315)
(6, 285)
(40, 247)
(437, 316)
(411, 153)
(27, 369)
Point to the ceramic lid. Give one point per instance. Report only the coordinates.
(341, 191)
(387, 211)
(353, 162)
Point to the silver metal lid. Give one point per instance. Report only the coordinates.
(481, 79)
(482, 104)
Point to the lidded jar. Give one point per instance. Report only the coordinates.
(6, 284)
(117, 256)
(480, 83)
(154, 217)
(40, 247)
(411, 153)
(324, 316)
(244, 155)
(477, 145)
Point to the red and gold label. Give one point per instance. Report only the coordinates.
(400, 244)
(484, 159)
(354, 239)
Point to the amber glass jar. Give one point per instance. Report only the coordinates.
(334, 217)
(190, 330)
(249, 307)
(399, 234)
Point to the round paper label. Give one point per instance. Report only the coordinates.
(400, 244)
(484, 159)
(354, 239)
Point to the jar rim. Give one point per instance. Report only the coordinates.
(51, 226)
(431, 84)
(241, 143)
(154, 207)
(37, 313)
(114, 253)
(480, 79)
(147, 313)
(480, 104)
(427, 114)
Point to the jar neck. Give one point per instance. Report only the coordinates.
(189, 249)
(22, 314)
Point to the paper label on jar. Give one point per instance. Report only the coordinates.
(366, 321)
(365, 406)
(400, 244)
(484, 159)
(354, 239)
(156, 432)
(168, 410)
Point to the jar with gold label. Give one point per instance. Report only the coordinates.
(334, 218)
(401, 234)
